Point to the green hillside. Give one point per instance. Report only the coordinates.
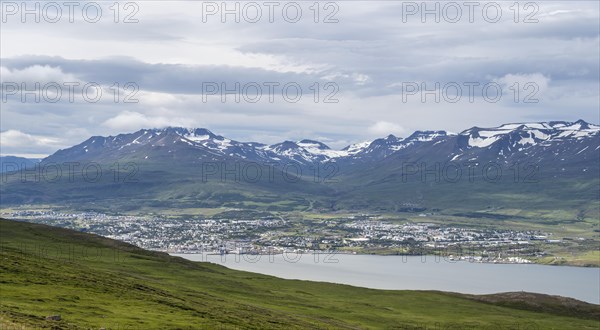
(93, 282)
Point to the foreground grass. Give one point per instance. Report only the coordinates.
(93, 282)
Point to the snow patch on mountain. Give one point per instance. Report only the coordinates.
(529, 134)
(353, 149)
(320, 149)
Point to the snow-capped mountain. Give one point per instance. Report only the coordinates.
(528, 140)
(523, 135)
(199, 144)
(170, 170)
(384, 147)
(305, 151)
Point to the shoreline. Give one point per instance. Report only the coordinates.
(448, 259)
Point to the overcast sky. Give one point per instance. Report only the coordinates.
(369, 61)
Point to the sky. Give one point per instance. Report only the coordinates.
(340, 72)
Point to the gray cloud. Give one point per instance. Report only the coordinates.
(369, 54)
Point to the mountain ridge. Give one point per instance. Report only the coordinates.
(306, 150)
(520, 165)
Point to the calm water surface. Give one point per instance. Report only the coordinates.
(419, 273)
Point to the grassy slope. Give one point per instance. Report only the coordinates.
(96, 282)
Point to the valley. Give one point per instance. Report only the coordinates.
(190, 165)
(101, 216)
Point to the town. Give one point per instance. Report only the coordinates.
(274, 234)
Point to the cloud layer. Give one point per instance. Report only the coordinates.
(378, 70)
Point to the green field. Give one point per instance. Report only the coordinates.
(94, 282)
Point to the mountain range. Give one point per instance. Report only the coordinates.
(538, 165)
(500, 143)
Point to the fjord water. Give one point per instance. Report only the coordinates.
(419, 273)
